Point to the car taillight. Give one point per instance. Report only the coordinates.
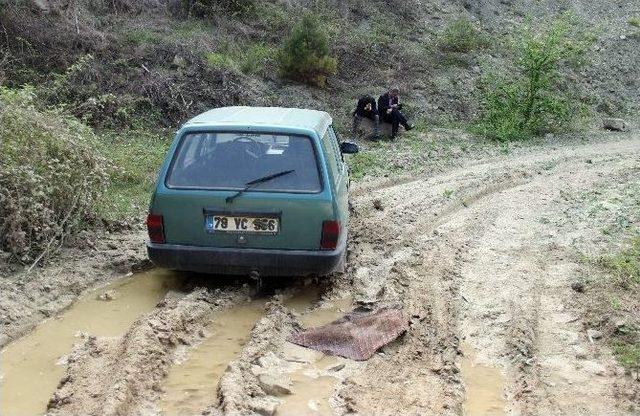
(155, 227)
(330, 235)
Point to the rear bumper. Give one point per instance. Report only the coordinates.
(245, 260)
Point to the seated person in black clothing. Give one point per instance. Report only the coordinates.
(366, 107)
(389, 110)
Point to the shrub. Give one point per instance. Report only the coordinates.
(634, 21)
(462, 36)
(50, 177)
(532, 99)
(209, 8)
(305, 54)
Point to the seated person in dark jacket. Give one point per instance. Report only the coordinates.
(366, 107)
(389, 110)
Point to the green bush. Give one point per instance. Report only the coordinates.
(305, 54)
(532, 99)
(50, 176)
(634, 21)
(462, 36)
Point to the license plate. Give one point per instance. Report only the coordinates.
(226, 223)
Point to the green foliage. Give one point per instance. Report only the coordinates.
(634, 21)
(625, 266)
(462, 36)
(50, 176)
(305, 54)
(533, 100)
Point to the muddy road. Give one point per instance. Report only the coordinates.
(480, 256)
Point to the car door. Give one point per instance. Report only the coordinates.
(340, 176)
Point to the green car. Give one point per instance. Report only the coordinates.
(252, 190)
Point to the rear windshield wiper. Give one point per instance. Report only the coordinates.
(253, 182)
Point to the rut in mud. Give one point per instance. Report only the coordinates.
(481, 259)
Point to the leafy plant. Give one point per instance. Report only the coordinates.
(634, 21)
(50, 177)
(532, 99)
(462, 36)
(305, 54)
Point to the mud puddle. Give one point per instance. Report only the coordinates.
(33, 365)
(483, 386)
(191, 384)
(314, 381)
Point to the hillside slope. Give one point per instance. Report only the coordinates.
(165, 60)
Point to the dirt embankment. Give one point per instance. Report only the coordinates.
(482, 259)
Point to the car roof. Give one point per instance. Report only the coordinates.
(264, 116)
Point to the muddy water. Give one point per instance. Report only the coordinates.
(32, 366)
(313, 384)
(483, 386)
(191, 385)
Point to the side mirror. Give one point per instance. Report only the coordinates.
(349, 148)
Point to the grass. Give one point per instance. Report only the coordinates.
(627, 354)
(141, 36)
(625, 266)
(462, 36)
(220, 60)
(620, 292)
(136, 157)
(412, 152)
(250, 59)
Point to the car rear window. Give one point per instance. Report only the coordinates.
(224, 160)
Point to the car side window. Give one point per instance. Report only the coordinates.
(329, 151)
(336, 147)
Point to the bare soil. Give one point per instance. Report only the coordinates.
(481, 257)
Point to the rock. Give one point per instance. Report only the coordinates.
(109, 295)
(615, 124)
(265, 406)
(179, 62)
(581, 352)
(275, 385)
(377, 204)
(578, 286)
(594, 368)
(337, 367)
(593, 334)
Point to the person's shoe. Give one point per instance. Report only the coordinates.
(409, 127)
